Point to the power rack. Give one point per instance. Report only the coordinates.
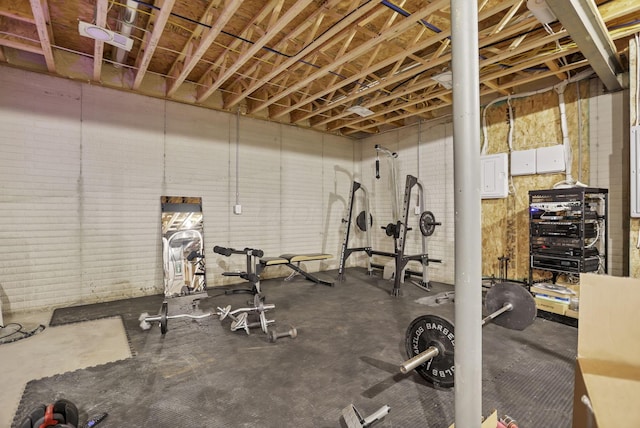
(568, 230)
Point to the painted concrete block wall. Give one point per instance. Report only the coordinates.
(426, 152)
(609, 167)
(82, 169)
(41, 235)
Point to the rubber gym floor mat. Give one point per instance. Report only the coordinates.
(349, 347)
(79, 313)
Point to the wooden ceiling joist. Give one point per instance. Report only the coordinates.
(442, 38)
(307, 62)
(258, 45)
(101, 21)
(157, 23)
(43, 24)
(360, 50)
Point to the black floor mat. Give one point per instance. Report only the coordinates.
(348, 350)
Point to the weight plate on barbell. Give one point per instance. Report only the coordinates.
(432, 330)
(524, 306)
(361, 223)
(391, 229)
(264, 324)
(163, 317)
(427, 223)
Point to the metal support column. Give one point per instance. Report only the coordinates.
(468, 225)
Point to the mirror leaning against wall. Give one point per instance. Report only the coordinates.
(182, 245)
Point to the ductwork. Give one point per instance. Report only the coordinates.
(125, 25)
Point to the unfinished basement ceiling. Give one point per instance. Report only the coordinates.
(312, 63)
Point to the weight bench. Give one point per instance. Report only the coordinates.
(293, 261)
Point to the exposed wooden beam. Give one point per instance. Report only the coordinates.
(507, 17)
(98, 49)
(19, 10)
(307, 29)
(440, 93)
(236, 45)
(43, 24)
(483, 78)
(207, 19)
(433, 62)
(362, 49)
(10, 43)
(324, 41)
(289, 15)
(441, 38)
(204, 43)
(157, 22)
(496, 87)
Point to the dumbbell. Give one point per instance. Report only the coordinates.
(274, 335)
(240, 321)
(430, 339)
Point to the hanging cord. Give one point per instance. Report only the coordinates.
(8, 336)
(238, 157)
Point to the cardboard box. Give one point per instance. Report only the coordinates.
(571, 313)
(553, 290)
(547, 305)
(608, 362)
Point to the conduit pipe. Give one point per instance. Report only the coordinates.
(566, 142)
(125, 25)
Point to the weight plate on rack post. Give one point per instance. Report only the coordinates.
(361, 223)
(432, 330)
(163, 317)
(427, 223)
(524, 306)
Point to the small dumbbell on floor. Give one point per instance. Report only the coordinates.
(274, 335)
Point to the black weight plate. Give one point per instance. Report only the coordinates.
(432, 330)
(362, 225)
(427, 223)
(35, 417)
(68, 410)
(163, 317)
(390, 230)
(524, 306)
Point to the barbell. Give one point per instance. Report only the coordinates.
(430, 339)
(163, 318)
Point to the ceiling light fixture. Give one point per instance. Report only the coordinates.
(360, 110)
(541, 11)
(445, 79)
(104, 35)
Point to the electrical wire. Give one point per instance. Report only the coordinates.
(8, 337)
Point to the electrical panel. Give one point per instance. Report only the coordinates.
(568, 230)
(494, 180)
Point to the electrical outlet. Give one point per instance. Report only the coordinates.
(416, 210)
(237, 209)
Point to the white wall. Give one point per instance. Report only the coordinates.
(82, 169)
(609, 167)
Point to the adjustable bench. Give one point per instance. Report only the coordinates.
(293, 262)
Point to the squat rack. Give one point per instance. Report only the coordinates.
(399, 232)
